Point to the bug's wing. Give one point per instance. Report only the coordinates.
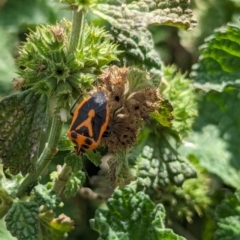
(98, 123)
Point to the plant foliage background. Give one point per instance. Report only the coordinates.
(185, 167)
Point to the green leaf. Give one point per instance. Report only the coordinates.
(22, 220)
(218, 64)
(138, 49)
(179, 91)
(46, 197)
(65, 144)
(4, 233)
(75, 181)
(218, 150)
(10, 184)
(52, 228)
(128, 211)
(191, 199)
(227, 218)
(22, 119)
(74, 161)
(25, 221)
(159, 164)
(94, 157)
(76, 177)
(130, 24)
(164, 114)
(213, 154)
(143, 14)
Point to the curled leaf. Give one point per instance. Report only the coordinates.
(218, 64)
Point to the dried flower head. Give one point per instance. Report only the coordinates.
(132, 97)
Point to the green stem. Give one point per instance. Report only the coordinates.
(62, 179)
(77, 30)
(49, 151)
(75, 42)
(51, 147)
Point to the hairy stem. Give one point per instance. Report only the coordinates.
(77, 30)
(75, 42)
(62, 179)
(49, 151)
(51, 147)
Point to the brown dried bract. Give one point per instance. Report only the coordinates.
(58, 32)
(17, 83)
(128, 108)
(113, 81)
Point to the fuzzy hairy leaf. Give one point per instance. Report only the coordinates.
(138, 49)
(65, 144)
(22, 220)
(218, 64)
(144, 13)
(159, 164)
(10, 185)
(127, 211)
(221, 146)
(25, 221)
(46, 197)
(130, 22)
(75, 181)
(74, 161)
(227, 218)
(76, 177)
(179, 91)
(192, 198)
(94, 156)
(22, 119)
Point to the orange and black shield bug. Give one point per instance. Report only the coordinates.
(89, 122)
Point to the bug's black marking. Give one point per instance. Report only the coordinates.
(83, 131)
(73, 135)
(84, 146)
(88, 141)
